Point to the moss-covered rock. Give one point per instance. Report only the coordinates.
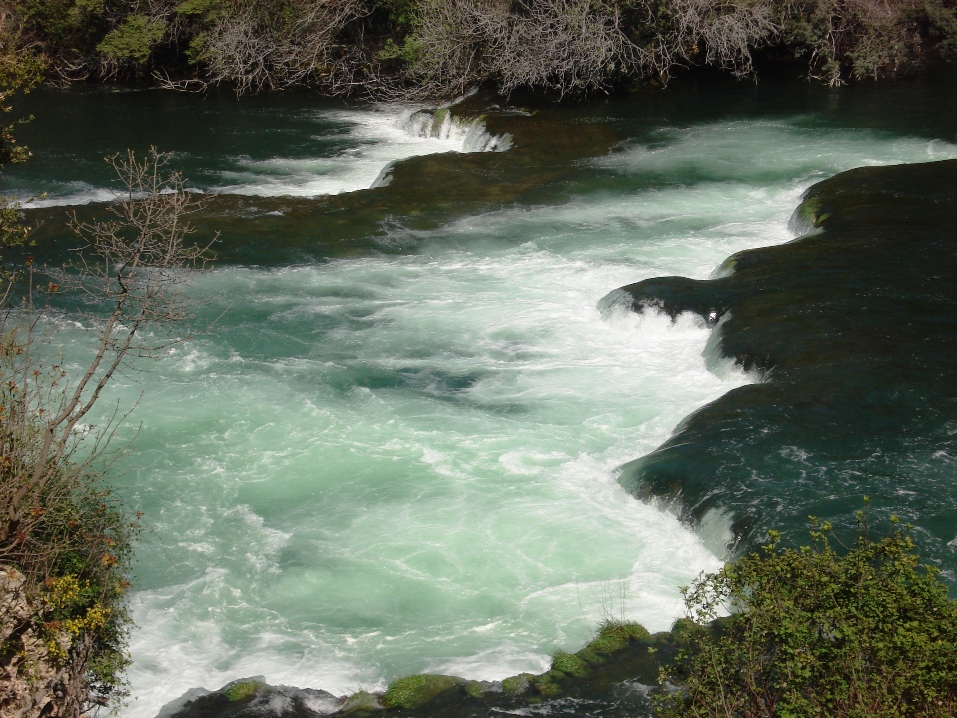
(243, 690)
(570, 664)
(412, 691)
(615, 635)
(549, 684)
(361, 702)
(516, 685)
(474, 689)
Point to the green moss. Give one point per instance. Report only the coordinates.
(549, 684)
(361, 702)
(242, 690)
(591, 657)
(412, 691)
(569, 664)
(809, 213)
(615, 635)
(438, 119)
(516, 685)
(474, 689)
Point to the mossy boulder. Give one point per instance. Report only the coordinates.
(569, 664)
(475, 689)
(549, 684)
(613, 636)
(516, 685)
(412, 691)
(243, 690)
(361, 702)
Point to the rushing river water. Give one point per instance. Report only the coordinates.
(396, 451)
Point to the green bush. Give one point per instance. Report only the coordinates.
(134, 40)
(816, 631)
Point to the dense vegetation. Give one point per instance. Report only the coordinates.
(818, 631)
(434, 48)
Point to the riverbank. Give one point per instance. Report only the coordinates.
(415, 50)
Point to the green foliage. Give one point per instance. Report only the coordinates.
(401, 12)
(65, 28)
(412, 691)
(133, 40)
(866, 632)
(75, 557)
(20, 71)
(195, 7)
(410, 51)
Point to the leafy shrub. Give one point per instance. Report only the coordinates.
(133, 40)
(816, 633)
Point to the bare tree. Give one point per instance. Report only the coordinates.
(62, 543)
(580, 46)
(134, 263)
(252, 49)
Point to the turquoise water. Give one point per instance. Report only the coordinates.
(402, 457)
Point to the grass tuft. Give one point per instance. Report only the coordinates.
(412, 691)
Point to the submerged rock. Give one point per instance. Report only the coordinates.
(849, 332)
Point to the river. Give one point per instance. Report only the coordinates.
(396, 450)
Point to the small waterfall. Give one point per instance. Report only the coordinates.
(469, 134)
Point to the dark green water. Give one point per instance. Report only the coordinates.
(400, 449)
(852, 328)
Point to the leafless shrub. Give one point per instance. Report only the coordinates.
(250, 48)
(566, 45)
(727, 31)
(135, 264)
(569, 45)
(440, 48)
(68, 541)
(581, 46)
(867, 37)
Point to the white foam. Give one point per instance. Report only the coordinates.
(377, 138)
(531, 321)
(765, 150)
(380, 137)
(76, 193)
